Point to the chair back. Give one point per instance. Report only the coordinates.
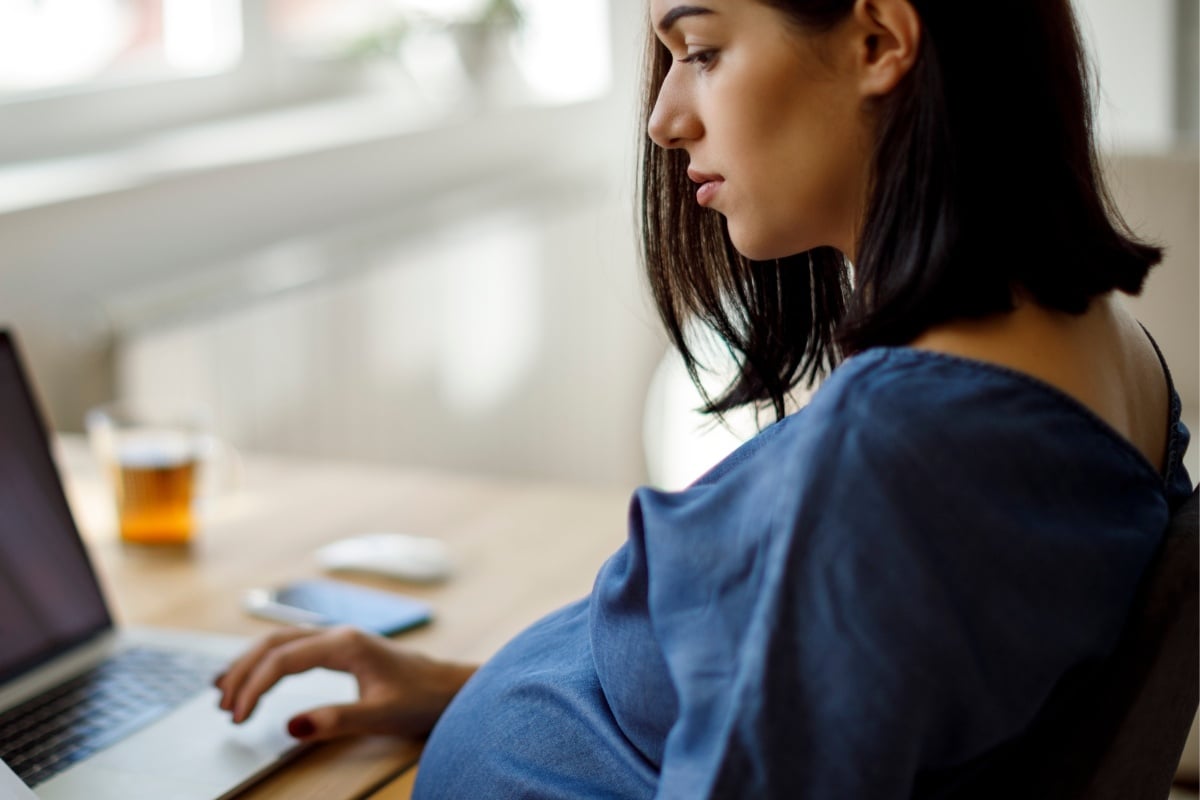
(1114, 730)
(1158, 673)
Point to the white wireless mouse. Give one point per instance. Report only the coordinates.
(396, 555)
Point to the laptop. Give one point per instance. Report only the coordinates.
(92, 710)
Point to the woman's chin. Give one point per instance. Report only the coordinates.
(751, 247)
(757, 249)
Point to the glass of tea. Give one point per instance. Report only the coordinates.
(154, 464)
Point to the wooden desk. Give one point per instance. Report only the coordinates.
(521, 550)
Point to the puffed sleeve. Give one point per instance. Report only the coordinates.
(894, 588)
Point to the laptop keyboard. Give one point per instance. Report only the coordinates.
(65, 724)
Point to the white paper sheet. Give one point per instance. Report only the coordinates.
(11, 787)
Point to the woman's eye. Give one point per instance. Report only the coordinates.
(702, 58)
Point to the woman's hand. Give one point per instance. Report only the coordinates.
(399, 692)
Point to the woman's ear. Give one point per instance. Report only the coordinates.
(887, 40)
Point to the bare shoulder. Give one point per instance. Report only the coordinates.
(1101, 358)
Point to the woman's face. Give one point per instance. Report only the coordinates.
(771, 120)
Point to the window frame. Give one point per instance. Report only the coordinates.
(266, 75)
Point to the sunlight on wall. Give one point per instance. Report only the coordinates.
(507, 338)
(482, 296)
(681, 444)
(47, 43)
(561, 49)
(491, 330)
(565, 50)
(1130, 45)
(57, 41)
(401, 305)
(198, 37)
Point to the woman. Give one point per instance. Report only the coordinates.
(882, 589)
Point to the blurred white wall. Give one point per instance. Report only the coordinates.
(511, 336)
(477, 263)
(1133, 47)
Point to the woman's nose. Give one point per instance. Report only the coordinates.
(673, 123)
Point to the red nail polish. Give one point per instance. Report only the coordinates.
(301, 727)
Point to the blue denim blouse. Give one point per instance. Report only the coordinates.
(888, 582)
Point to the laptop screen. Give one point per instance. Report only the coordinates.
(49, 598)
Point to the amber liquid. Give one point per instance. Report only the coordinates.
(154, 501)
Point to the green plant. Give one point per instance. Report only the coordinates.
(500, 13)
(382, 41)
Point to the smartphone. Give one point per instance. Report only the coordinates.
(321, 603)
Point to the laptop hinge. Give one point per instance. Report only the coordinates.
(58, 669)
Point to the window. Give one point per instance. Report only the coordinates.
(94, 92)
(48, 46)
(560, 48)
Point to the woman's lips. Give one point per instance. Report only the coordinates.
(709, 185)
(707, 191)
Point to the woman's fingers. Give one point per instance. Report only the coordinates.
(399, 692)
(298, 654)
(231, 682)
(331, 722)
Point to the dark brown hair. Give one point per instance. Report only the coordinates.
(984, 180)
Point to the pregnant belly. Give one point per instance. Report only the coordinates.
(533, 723)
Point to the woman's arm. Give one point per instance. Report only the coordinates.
(399, 692)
